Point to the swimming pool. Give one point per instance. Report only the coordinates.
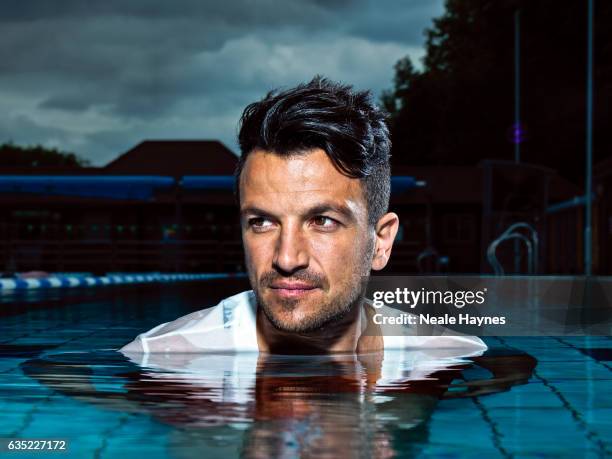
(525, 397)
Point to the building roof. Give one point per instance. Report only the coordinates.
(464, 184)
(444, 184)
(175, 158)
(129, 187)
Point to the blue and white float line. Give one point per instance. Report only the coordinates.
(61, 281)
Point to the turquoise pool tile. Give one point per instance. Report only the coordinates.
(530, 419)
(535, 452)
(588, 369)
(586, 395)
(137, 436)
(435, 450)
(585, 341)
(558, 355)
(516, 399)
(12, 419)
(536, 342)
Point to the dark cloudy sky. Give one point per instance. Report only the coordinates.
(98, 77)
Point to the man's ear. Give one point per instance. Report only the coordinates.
(386, 229)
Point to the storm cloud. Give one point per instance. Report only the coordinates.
(96, 78)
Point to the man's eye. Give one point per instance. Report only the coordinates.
(259, 223)
(324, 222)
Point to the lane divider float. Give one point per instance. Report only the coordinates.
(61, 281)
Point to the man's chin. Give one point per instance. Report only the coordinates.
(302, 312)
(301, 318)
(289, 314)
(301, 325)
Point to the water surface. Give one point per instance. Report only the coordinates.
(62, 378)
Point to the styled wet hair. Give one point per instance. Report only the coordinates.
(344, 123)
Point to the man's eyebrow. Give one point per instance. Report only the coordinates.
(328, 207)
(316, 210)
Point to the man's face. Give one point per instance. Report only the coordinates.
(306, 238)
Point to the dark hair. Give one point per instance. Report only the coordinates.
(346, 124)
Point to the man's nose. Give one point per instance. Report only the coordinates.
(291, 249)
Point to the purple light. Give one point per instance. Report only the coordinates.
(517, 133)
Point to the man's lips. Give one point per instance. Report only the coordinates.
(292, 286)
(292, 289)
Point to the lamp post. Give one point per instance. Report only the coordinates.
(588, 236)
(517, 86)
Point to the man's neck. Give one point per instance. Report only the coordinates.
(342, 336)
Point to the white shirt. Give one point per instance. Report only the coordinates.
(231, 326)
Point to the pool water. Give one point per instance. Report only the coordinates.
(541, 397)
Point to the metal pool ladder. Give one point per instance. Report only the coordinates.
(513, 232)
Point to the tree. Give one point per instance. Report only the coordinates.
(459, 108)
(37, 156)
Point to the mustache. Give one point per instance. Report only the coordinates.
(310, 277)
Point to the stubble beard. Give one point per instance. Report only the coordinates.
(325, 315)
(350, 296)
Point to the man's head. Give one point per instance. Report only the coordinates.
(313, 184)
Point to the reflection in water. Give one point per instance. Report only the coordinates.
(260, 405)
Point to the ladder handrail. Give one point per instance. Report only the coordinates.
(494, 262)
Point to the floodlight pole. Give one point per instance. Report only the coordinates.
(516, 132)
(517, 86)
(588, 236)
